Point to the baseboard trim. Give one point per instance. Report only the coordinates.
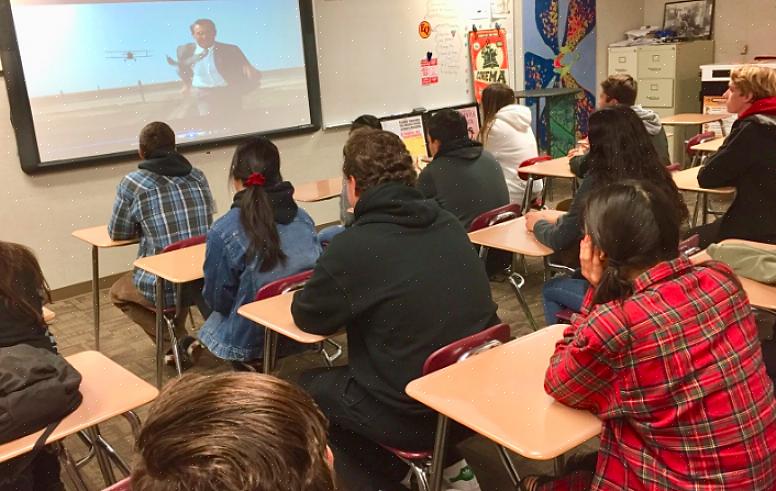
(84, 287)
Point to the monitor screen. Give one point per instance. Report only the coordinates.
(97, 71)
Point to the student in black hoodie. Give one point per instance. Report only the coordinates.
(164, 201)
(23, 290)
(403, 281)
(463, 178)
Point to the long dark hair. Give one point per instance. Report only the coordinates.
(259, 155)
(636, 224)
(620, 148)
(21, 281)
(494, 97)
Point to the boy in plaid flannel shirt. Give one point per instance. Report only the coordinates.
(164, 201)
(665, 352)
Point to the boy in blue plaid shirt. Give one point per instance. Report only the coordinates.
(164, 201)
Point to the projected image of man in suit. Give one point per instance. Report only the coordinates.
(217, 75)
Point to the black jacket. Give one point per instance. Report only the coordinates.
(465, 181)
(747, 161)
(404, 280)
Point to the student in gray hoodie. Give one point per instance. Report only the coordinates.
(622, 89)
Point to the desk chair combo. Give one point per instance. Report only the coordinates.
(427, 464)
(279, 287)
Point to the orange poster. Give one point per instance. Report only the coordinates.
(489, 58)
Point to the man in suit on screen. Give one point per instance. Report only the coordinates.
(216, 75)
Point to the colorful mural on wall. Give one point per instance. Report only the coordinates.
(560, 50)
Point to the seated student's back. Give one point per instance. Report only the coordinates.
(232, 431)
(463, 178)
(262, 238)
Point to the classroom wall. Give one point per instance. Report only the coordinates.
(614, 17)
(736, 23)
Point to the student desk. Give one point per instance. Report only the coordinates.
(512, 236)
(274, 313)
(549, 168)
(760, 295)
(322, 190)
(500, 395)
(687, 180)
(178, 267)
(108, 391)
(710, 146)
(694, 119)
(98, 238)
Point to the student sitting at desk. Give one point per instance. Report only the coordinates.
(619, 149)
(507, 135)
(164, 201)
(463, 178)
(622, 89)
(23, 289)
(746, 161)
(263, 237)
(233, 431)
(403, 281)
(666, 354)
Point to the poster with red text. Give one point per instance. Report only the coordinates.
(489, 58)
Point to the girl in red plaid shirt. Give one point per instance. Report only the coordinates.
(666, 354)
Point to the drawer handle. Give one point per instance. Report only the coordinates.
(620, 70)
(621, 59)
(652, 98)
(654, 69)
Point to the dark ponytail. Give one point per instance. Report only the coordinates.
(636, 224)
(259, 156)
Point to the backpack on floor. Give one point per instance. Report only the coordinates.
(37, 390)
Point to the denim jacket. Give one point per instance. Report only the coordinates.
(231, 283)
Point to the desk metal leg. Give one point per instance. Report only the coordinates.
(102, 458)
(268, 364)
(503, 453)
(70, 468)
(517, 282)
(159, 330)
(547, 109)
(440, 444)
(705, 210)
(96, 295)
(527, 194)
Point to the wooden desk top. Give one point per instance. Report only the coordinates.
(710, 146)
(324, 189)
(689, 119)
(550, 168)
(98, 237)
(275, 313)
(760, 295)
(179, 266)
(500, 395)
(108, 390)
(687, 180)
(511, 236)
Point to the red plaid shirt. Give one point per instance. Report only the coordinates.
(677, 376)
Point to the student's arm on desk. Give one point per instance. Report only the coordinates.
(222, 280)
(581, 372)
(566, 231)
(730, 161)
(579, 165)
(322, 306)
(123, 225)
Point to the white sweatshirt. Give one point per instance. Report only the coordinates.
(512, 142)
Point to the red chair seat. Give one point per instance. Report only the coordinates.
(526, 163)
(407, 455)
(565, 315)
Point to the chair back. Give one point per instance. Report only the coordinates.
(182, 244)
(497, 215)
(283, 285)
(690, 245)
(674, 167)
(468, 346)
(697, 140)
(532, 161)
(123, 485)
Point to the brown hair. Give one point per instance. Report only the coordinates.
(21, 282)
(494, 97)
(156, 137)
(238, 430)
(621, 87)
(375, 157)
(759, 81)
